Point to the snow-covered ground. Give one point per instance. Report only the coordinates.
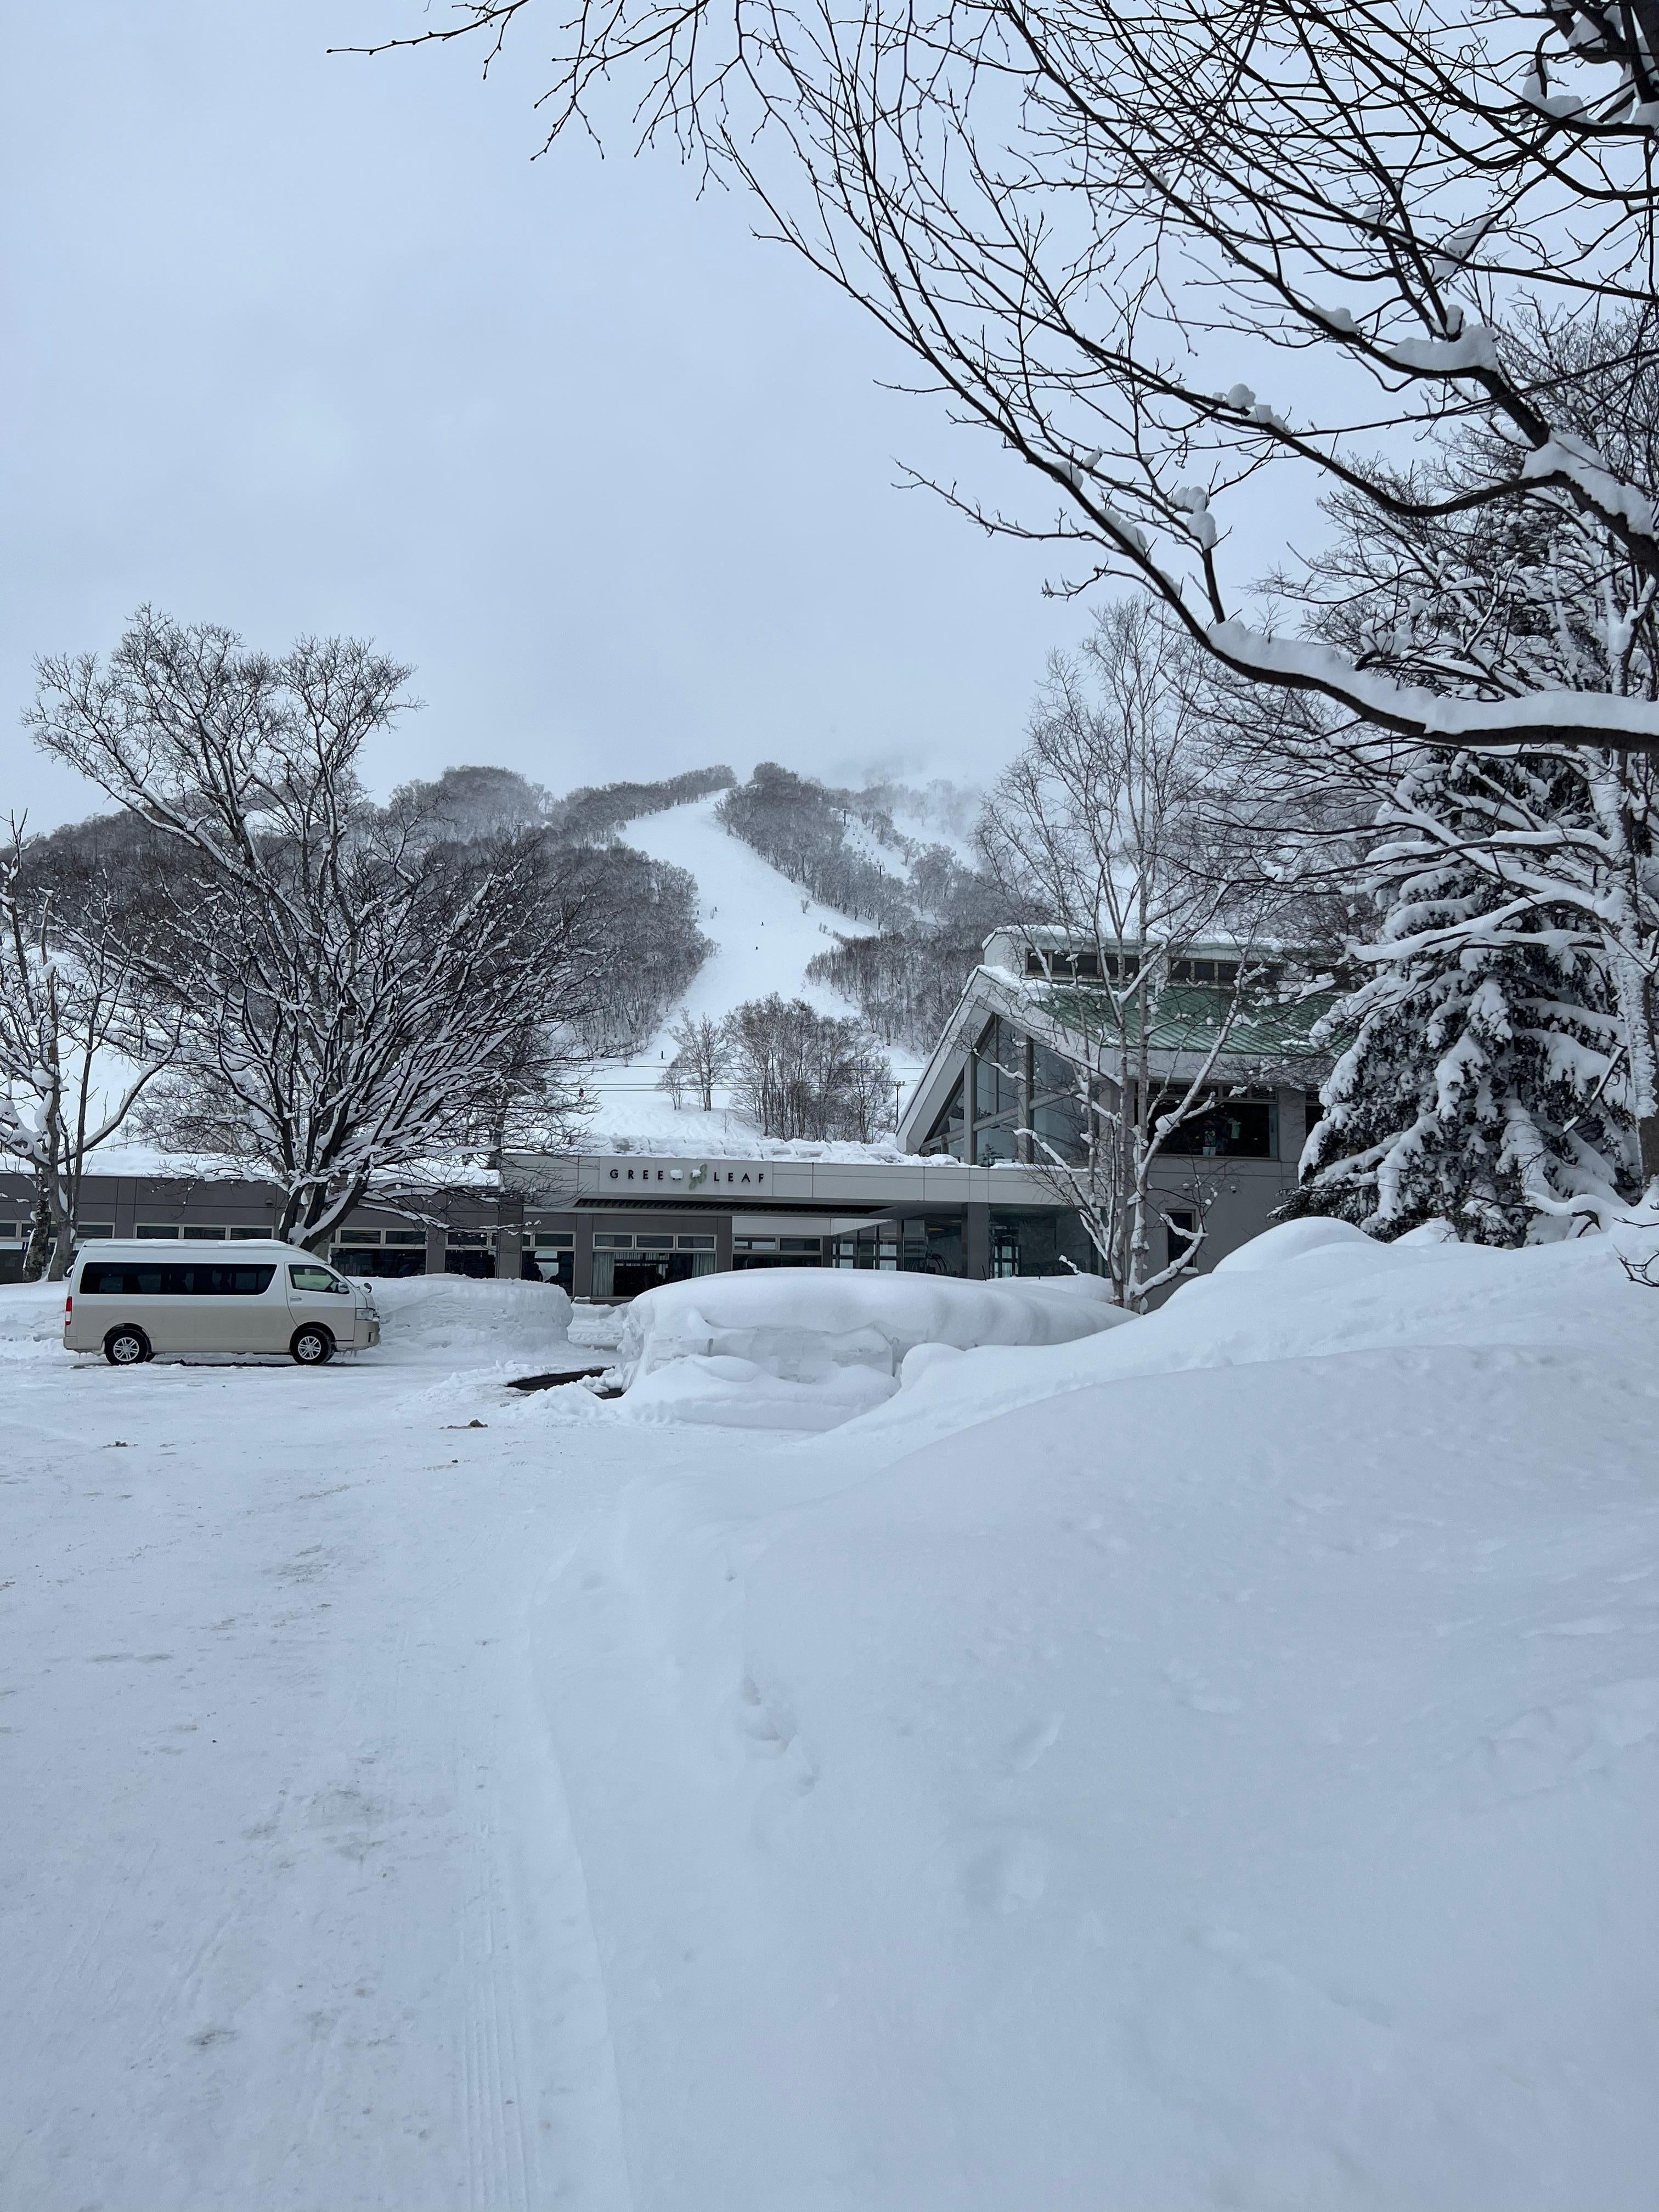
(765, 930)
(1212, 1763)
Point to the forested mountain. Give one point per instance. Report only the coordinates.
(934, 908)
(638, 915)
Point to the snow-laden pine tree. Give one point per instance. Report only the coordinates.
(1485, 1081)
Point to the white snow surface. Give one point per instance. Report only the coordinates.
(1215, 1762)
(808, 1347)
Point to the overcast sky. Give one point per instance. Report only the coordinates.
(302, 343)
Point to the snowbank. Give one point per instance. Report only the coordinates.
(1278, 1297)
(30, 1320)
(1230, 1779)
(450, 1320)
(728, 1136)
(809, 1347)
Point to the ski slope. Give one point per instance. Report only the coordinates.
(765, 930)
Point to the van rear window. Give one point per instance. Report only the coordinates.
(127, 1278)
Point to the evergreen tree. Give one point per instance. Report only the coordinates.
(1485, 1081)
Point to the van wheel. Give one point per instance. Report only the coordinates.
(312, 1345)
(126, 1346)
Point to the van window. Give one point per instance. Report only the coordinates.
(133, 1279)
(316, 1278)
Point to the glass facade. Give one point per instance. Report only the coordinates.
(626, 1262)
(920, 1245)
(1063, 1126)
(1244, 1126)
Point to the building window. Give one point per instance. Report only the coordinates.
(947, 1123)
(879, 1247)
(995, 1144)
(158, 1229)
(1062, 1126)
(1228, 1128)
(625, 1274)
(1025, 1244)
(996, 1070)
(1051, 1071)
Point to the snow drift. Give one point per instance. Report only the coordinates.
(808, 1347)
(451, 1320)
(1229, 1777)
(32, 1320)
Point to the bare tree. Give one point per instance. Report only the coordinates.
(83, 1036)
(1084, 222)
(1153, 979)
(356, 997)
(703, 1055)
(801, 1073)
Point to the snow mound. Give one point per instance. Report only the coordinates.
(30, 1320)
(808, 1347)
(1345, 1294)
(1288, 1241)
(597, 1328)
(1230, 1780)
(451, 1320)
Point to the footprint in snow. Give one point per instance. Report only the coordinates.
(1032, 1740)
(1008, 1875)
(1555, 1746)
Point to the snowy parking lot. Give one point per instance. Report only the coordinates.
(1209, 1762)
(292, 1913)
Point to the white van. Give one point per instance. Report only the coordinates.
(131, 1301)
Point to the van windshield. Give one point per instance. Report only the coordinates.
(138, 1279)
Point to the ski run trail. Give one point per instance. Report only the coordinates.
(1211, 1763)
(765, 930)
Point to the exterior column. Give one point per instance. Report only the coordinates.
(976, 1243)
(1023, 1149)
(581, 1265)
(1293, 1118)
(509, 1239)
(437, 1247)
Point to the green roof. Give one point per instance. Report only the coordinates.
(1186, 1017)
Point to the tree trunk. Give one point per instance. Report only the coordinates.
(1647, 1132)
(62, 1251)
(38, 1251)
